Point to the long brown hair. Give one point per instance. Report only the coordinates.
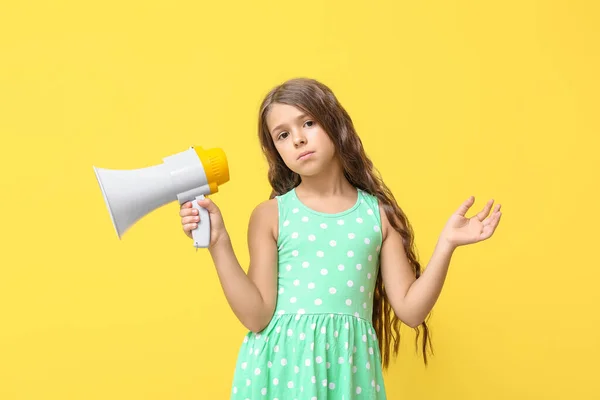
(316, 99)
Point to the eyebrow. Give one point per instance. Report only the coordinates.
(301, 116)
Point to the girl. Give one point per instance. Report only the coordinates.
(332, 267)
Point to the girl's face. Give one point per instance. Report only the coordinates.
(301, 142)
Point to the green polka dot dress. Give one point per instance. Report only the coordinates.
(321, 343)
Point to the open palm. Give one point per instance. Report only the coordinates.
(460, 230)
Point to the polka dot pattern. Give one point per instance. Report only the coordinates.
(321, 342)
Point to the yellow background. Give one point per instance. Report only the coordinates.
(495, 100)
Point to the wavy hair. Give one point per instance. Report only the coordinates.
(316, 99)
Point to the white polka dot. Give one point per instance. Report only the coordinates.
(311, 285)
(332, 243)
(350, 283)
(359, 266)
(362, 288)
(234, 389)
(288, 267)
(314, 380)
(293, 300)
(351, 236)
(284, 361)
(269, 364)
(257, 371)
(305, 264)
(369, 275)
(312, 238)
(378, 248)
(295, 210)
(244, 365)
(370, 257)
(305, 219)
(320, 253)
(248, 382)
(340, 222)
(368, 365)
(318, 302)
(378, 388)
(341, 360)
(302, 336)
(354, 369)
(341, 267)
(371, 350)
(286, 223)
(323, 225)
(359, 220)
(263, 391)
(332, 290)
(276, 348)
(324, 271)
(295, 235)
(307, 362)
(319, 359)
(358, 390)
(296, 369)
(301, 311)
(324, 330)
(376, 228)
(367, 240)
(350, 253)
(290, 384)
(290, 332)
(331, 385)
(296, 282)
(348, 302)
(295, 253)
(365, 306)
(364, 338)
(324, 382)
(370, 212)
(256, 351)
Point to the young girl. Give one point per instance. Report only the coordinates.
(332, 266)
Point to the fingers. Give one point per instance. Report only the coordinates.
(210, 206)
(486, 210)
(188, 228)
(462, 210)
(187, 211)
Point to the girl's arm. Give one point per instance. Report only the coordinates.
(411, 299)
(251, 296)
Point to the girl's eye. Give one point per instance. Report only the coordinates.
(309, 123)
(282, 135)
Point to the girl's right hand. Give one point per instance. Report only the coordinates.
(190, 220)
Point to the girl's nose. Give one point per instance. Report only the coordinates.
(299, 139)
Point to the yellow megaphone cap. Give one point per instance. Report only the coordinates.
(215, 166)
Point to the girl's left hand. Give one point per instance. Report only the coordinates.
(460, 230)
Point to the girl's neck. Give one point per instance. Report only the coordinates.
(329, 183)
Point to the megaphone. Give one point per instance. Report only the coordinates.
(186, 176)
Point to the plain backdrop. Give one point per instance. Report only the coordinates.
(451, 99)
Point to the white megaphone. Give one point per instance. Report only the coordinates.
(186, 176)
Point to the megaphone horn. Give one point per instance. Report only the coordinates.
(187, 176)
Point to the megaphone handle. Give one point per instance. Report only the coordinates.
(201, 235)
